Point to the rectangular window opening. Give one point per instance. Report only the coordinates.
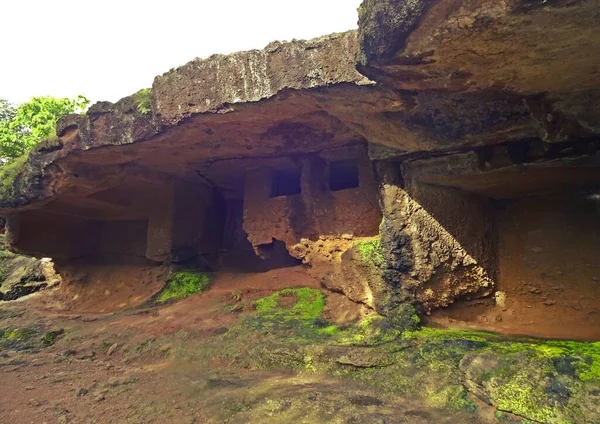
(285, 183)
(343, 175)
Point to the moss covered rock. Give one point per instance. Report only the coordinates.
(182, 284)
(527, 380)
(539, 387)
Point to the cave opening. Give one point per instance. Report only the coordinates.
(236, 252)
(343, 175)
(548, 277)
(286, 183)
(275, 255)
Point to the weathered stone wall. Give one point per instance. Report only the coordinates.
(548, 253)
(316, 211)
(171, 227)
(208, 85)
(23, 275)
(123, 238)
(352, 266)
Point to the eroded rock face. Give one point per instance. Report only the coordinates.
(21, 275)
(413, 131)
(518, 45)
(352, 266)
(515, 68)
(430, 250)
(219, 82)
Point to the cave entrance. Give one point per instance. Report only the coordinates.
(236, 251)
(549, 271)
(275, 255)
(548, 278)
(286, 183)
(343, 175)
(528, 215)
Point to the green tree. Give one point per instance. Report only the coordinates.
(23, 126)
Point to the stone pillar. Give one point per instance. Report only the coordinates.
(439, 243)
(177, 220)
(13, 229)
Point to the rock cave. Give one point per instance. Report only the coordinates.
(460, 142)
(398, 223)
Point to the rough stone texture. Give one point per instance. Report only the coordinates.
(21, 275)
(522, 385)
(460, 105)
(385, 25)
(341, 267)
(219, 82)
(517, 45)
(432, 253)
(513, 170)
(316, 211)
(458, 57)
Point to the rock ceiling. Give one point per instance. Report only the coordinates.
(418, 79)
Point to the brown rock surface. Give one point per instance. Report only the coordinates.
(433, 115)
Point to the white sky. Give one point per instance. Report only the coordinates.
(109, 49)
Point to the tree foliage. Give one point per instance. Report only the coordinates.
(23, 126)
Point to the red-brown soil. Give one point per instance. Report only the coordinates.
(146, 365)
(104, 285)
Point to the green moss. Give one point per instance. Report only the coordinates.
(499, 416)
(370, 252)
(182, 284)
(49, 337)
(143, 101)
(542, 380)
(532, 378)
(297, 313)
(453, 397)
(428, 334)
(588, 369)
(585, 355)
(520, 397)
(307, 304)
(16, 334)
(524, 376)
(370, 331)
(26, 338)
(8, 174)
(5, 254)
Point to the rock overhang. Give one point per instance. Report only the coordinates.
(444, 75)
(438, 92)
(244, 104)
